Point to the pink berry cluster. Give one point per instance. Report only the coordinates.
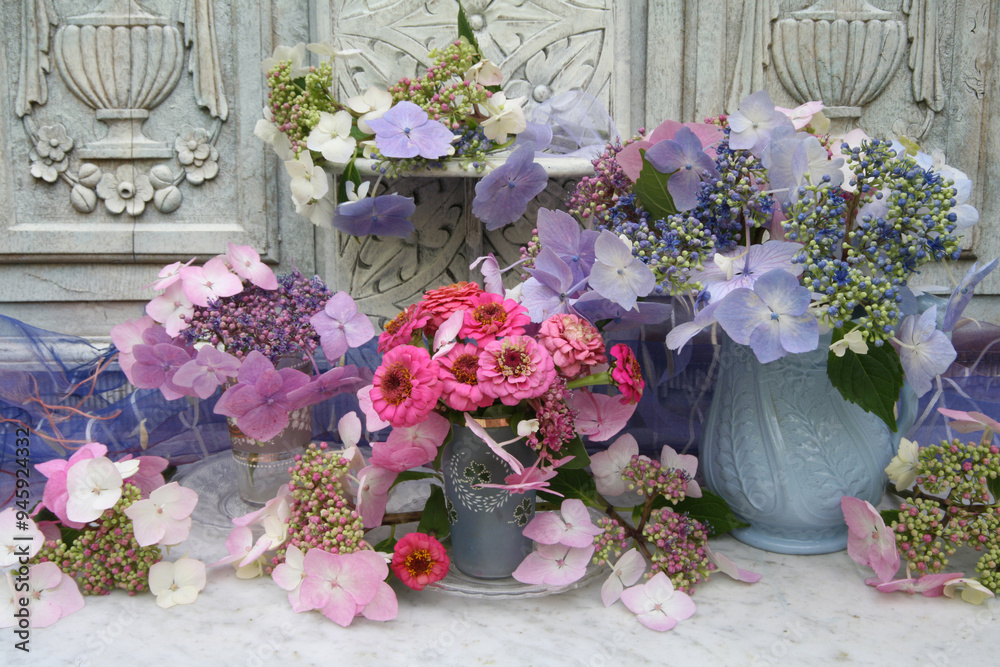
(680, 548)
(321, 516)
(556, 421)
(106, 557)
(594, 196)
(610, 544)
(953, 505)
(649, 478)
(443, 92)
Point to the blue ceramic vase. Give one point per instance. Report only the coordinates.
(782, 446)
(486, 524)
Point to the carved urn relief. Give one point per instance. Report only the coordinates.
(123, 61)
(842, 52)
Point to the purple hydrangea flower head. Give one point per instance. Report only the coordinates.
(772, 318)
(405, 130)
(259, 400)
(794, 159)
(752, 124)
(742, 267)
(560, 232)
(155, 366)
(547, 292)
(502, 195)
(385, 215)
(341, 326)
(337, 380)
(596, 308)
(207, 371)
(617, 274)
(683, 157)
(924, 351)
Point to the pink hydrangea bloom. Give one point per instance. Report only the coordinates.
(411, 446)
(515, 368)
(573, 342)
(627, 374)
(401, 328)
(458, 372)
(55, 495)
(406, 386)
(869, 541)
(491, 316)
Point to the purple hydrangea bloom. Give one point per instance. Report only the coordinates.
(405, 130)
(502, 196)
(341, 326)
(385, 215)
(596, 308)
(560, 232)
(155, 366)
(741, 267)
(337, 380)
(772, 318)
(259, 401)
(924, 351)
(683, 157)
(617, 274)
(207, 371)
(752, 124)
(547, 292)
(794, 159)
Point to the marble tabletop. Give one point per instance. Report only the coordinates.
(805, 610)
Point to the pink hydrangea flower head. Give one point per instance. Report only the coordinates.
(869, 541)
(418, 560)
(411, 446)
(657, 605)
(573, 342)
(440, 303)
(458, 372)
(245, 262)
(55, 495)
(515, 368)
(491, 316)
(406, 386)
(626, 373)
(400, 329)
(202, 284)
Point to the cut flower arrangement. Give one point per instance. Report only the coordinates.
(455, 112)
(233, 323)
(461, 356)
(778, 233)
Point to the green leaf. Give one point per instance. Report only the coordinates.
(994, 487)
(651, 189)
(410, 475)
(712, 511)
(359, 134)
(578, 451)
(465, 30)
(435, 518)
(572, 484)
(871, 380)
(889, 516)
(351, 174)
(387, 545)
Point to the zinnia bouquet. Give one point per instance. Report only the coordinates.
(779, 234)
(233, 322)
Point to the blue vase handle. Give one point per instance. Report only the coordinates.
(907, 409)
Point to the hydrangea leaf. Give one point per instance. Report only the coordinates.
(350, 174)
(434, 520)
(465, 30)
(578, 451)
(871, 380)
(888, 516)
(712, 511)
(651, 189)
(572, 484)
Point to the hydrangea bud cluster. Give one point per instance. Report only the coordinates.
(610, 544)
(296, 109)
(321, 516)
(556, 422)
(106, 557)
(649, 478)
(960, 470)
(273, 322)
(594, 196)
(952, 507)
(736, 200)
(680, 548)
(443, 91)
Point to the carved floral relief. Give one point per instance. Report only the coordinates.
(121, 60)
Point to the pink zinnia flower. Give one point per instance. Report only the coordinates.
(400, 329)
(491, 316)
(515, 368)
(573, 342)
(440, 303)
(457, 371)
(406, 386)
(627, 374)
(418, 560)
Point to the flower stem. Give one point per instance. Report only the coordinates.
(588, 380)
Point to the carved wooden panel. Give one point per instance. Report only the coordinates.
(120, 141)
(544, 47)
